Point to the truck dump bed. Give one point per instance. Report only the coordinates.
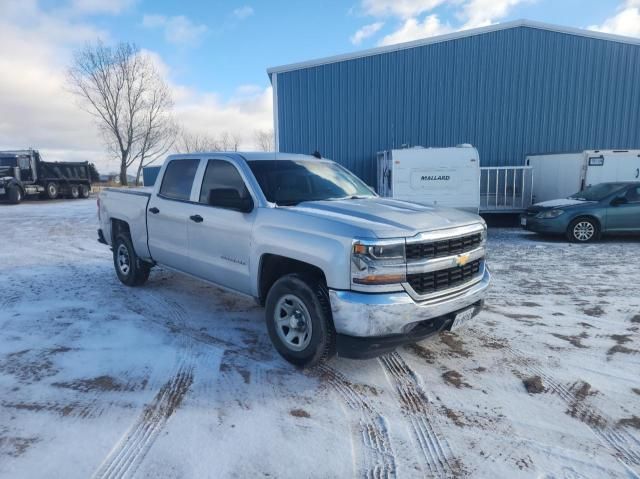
(78, 171)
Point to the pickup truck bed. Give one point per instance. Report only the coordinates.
(130, 207)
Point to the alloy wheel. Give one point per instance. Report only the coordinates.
(583, 231)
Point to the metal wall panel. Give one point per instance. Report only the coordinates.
(509, 93)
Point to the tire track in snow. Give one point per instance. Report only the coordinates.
(624, 443)
(128, 454)
(176, 322)
(125, 458)
(378, 458)
(416, 407)
(9, 301)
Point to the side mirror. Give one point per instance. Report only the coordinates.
(620, 200)
(230, 198)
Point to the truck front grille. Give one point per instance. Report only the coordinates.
(425, 283)
(447, 247)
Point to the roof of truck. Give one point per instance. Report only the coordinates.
(249, 155)
(16, 152)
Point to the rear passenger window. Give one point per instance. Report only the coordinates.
(178, 179)
(221, 175)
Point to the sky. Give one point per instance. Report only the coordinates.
(214, 55)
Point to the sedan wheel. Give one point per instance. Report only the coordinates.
(583, 230)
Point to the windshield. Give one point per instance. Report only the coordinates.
(287, 182)
(8, 161)
(597, 192)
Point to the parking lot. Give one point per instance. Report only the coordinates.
(179, 379)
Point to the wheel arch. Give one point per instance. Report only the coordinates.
(273, 267)
(587, 216)
(118, 227)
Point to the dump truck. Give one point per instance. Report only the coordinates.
(23, 173)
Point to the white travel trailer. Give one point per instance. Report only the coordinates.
(560, 175)
(432, 176)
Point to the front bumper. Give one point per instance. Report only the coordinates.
(547, 225)
(370, 347)
(365, 315)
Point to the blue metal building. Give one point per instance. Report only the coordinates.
(512, 89)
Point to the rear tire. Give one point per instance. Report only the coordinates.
(74, 192)
(85, 191)
(52, 190)
(583, 230)
(299, 320)
(14, 194)
(130, 269)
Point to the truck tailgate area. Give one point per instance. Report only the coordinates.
(128, 205)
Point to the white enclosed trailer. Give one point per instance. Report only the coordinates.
(560, 175)
(432, 176)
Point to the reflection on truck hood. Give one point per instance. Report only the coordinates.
(388, 217)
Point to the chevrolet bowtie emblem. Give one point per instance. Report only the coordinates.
(462, 259)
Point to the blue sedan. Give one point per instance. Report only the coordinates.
(583, 217)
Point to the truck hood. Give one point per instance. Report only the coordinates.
(386, 217)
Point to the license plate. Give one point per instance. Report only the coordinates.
(462, 317)
(2, 191)
(523, 221)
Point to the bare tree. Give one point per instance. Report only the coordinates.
(264, 139)
(229, 141)
(158, 129)
(129, 99)
(194, 143)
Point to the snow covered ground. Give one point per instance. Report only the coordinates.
(178, 379)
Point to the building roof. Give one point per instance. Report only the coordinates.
(454, 36)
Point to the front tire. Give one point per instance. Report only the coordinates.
(299, 320)
(14, 194)
(583, 230)
(130, 269)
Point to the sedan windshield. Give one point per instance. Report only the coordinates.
(288, 182)
(597, 192)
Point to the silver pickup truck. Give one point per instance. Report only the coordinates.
(337, 268)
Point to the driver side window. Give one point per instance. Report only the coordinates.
(24, 163)
(633, 195)
(221, 174)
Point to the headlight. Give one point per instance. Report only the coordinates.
(550, 214)
(378, 262)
